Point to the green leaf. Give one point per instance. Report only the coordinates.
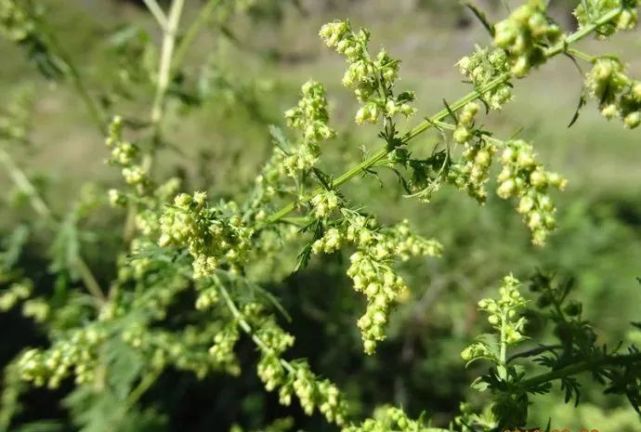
(279, 138)
(582, 102)
(323, 178)
(501, 372)
(64, 251)
(13, 247)
(41, 426)
(480, 385)
(481, 17)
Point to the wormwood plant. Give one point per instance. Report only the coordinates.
(115, 341)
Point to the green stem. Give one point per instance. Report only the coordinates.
(582, 55)
(170, 31)
(534, 351)
(142, 387)
(193, 30)
(503, 341)
(489, 139)
(441, 115)
(577, 368)
(157, 12)
(457, 105)
(95, 111)
(244, 325)
(89, 280)
(24, 184)
(164, 68)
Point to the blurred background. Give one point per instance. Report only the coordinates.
(242, 73)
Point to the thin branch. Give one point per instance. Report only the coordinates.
(193, 30)
(170, 31)
(534, 351)
(164, 68)
(429, 123)
(246, 327)
(24, 184)
(95, 110)
(577, 368)
(157, 12)
(142, 387)
(582, 55)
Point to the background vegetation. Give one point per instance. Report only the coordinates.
(256, 61)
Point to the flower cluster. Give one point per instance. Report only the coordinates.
(618, 95)
(270, 369)
(75, 355)
(471, 172)
(15, 115)
(214, 236)
(389, 419)
(465, 123)
(370, 266)
(483, 67)
(37, 309)
(469, 420)
(371, 78)
(504, 316)
(17, 291)
(207, 298)
(503, 313)
(185, 350)
(324, 203)
(222, 351)
(146, 219)
(311, 118)
(588, 11)
(294, 378)
(310, 115)
(125, 155)
(314, 393)
(524, 34)
(523, 177)
(16, 23)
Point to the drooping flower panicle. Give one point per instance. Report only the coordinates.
(372, 78)
(525, 34)
(617, 94)
(371, 266)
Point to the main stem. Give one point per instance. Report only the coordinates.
(577, 368)
(441, 115)
(164, 71)
(157, 12)
(170, 30)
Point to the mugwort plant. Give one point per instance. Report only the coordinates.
(114, 342)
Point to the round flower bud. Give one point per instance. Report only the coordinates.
(506, 189)
(632, 120)
(610, 111)
(636, 91)
(538, 179)
(461, 135)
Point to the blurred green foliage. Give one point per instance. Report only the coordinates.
(255, 64)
